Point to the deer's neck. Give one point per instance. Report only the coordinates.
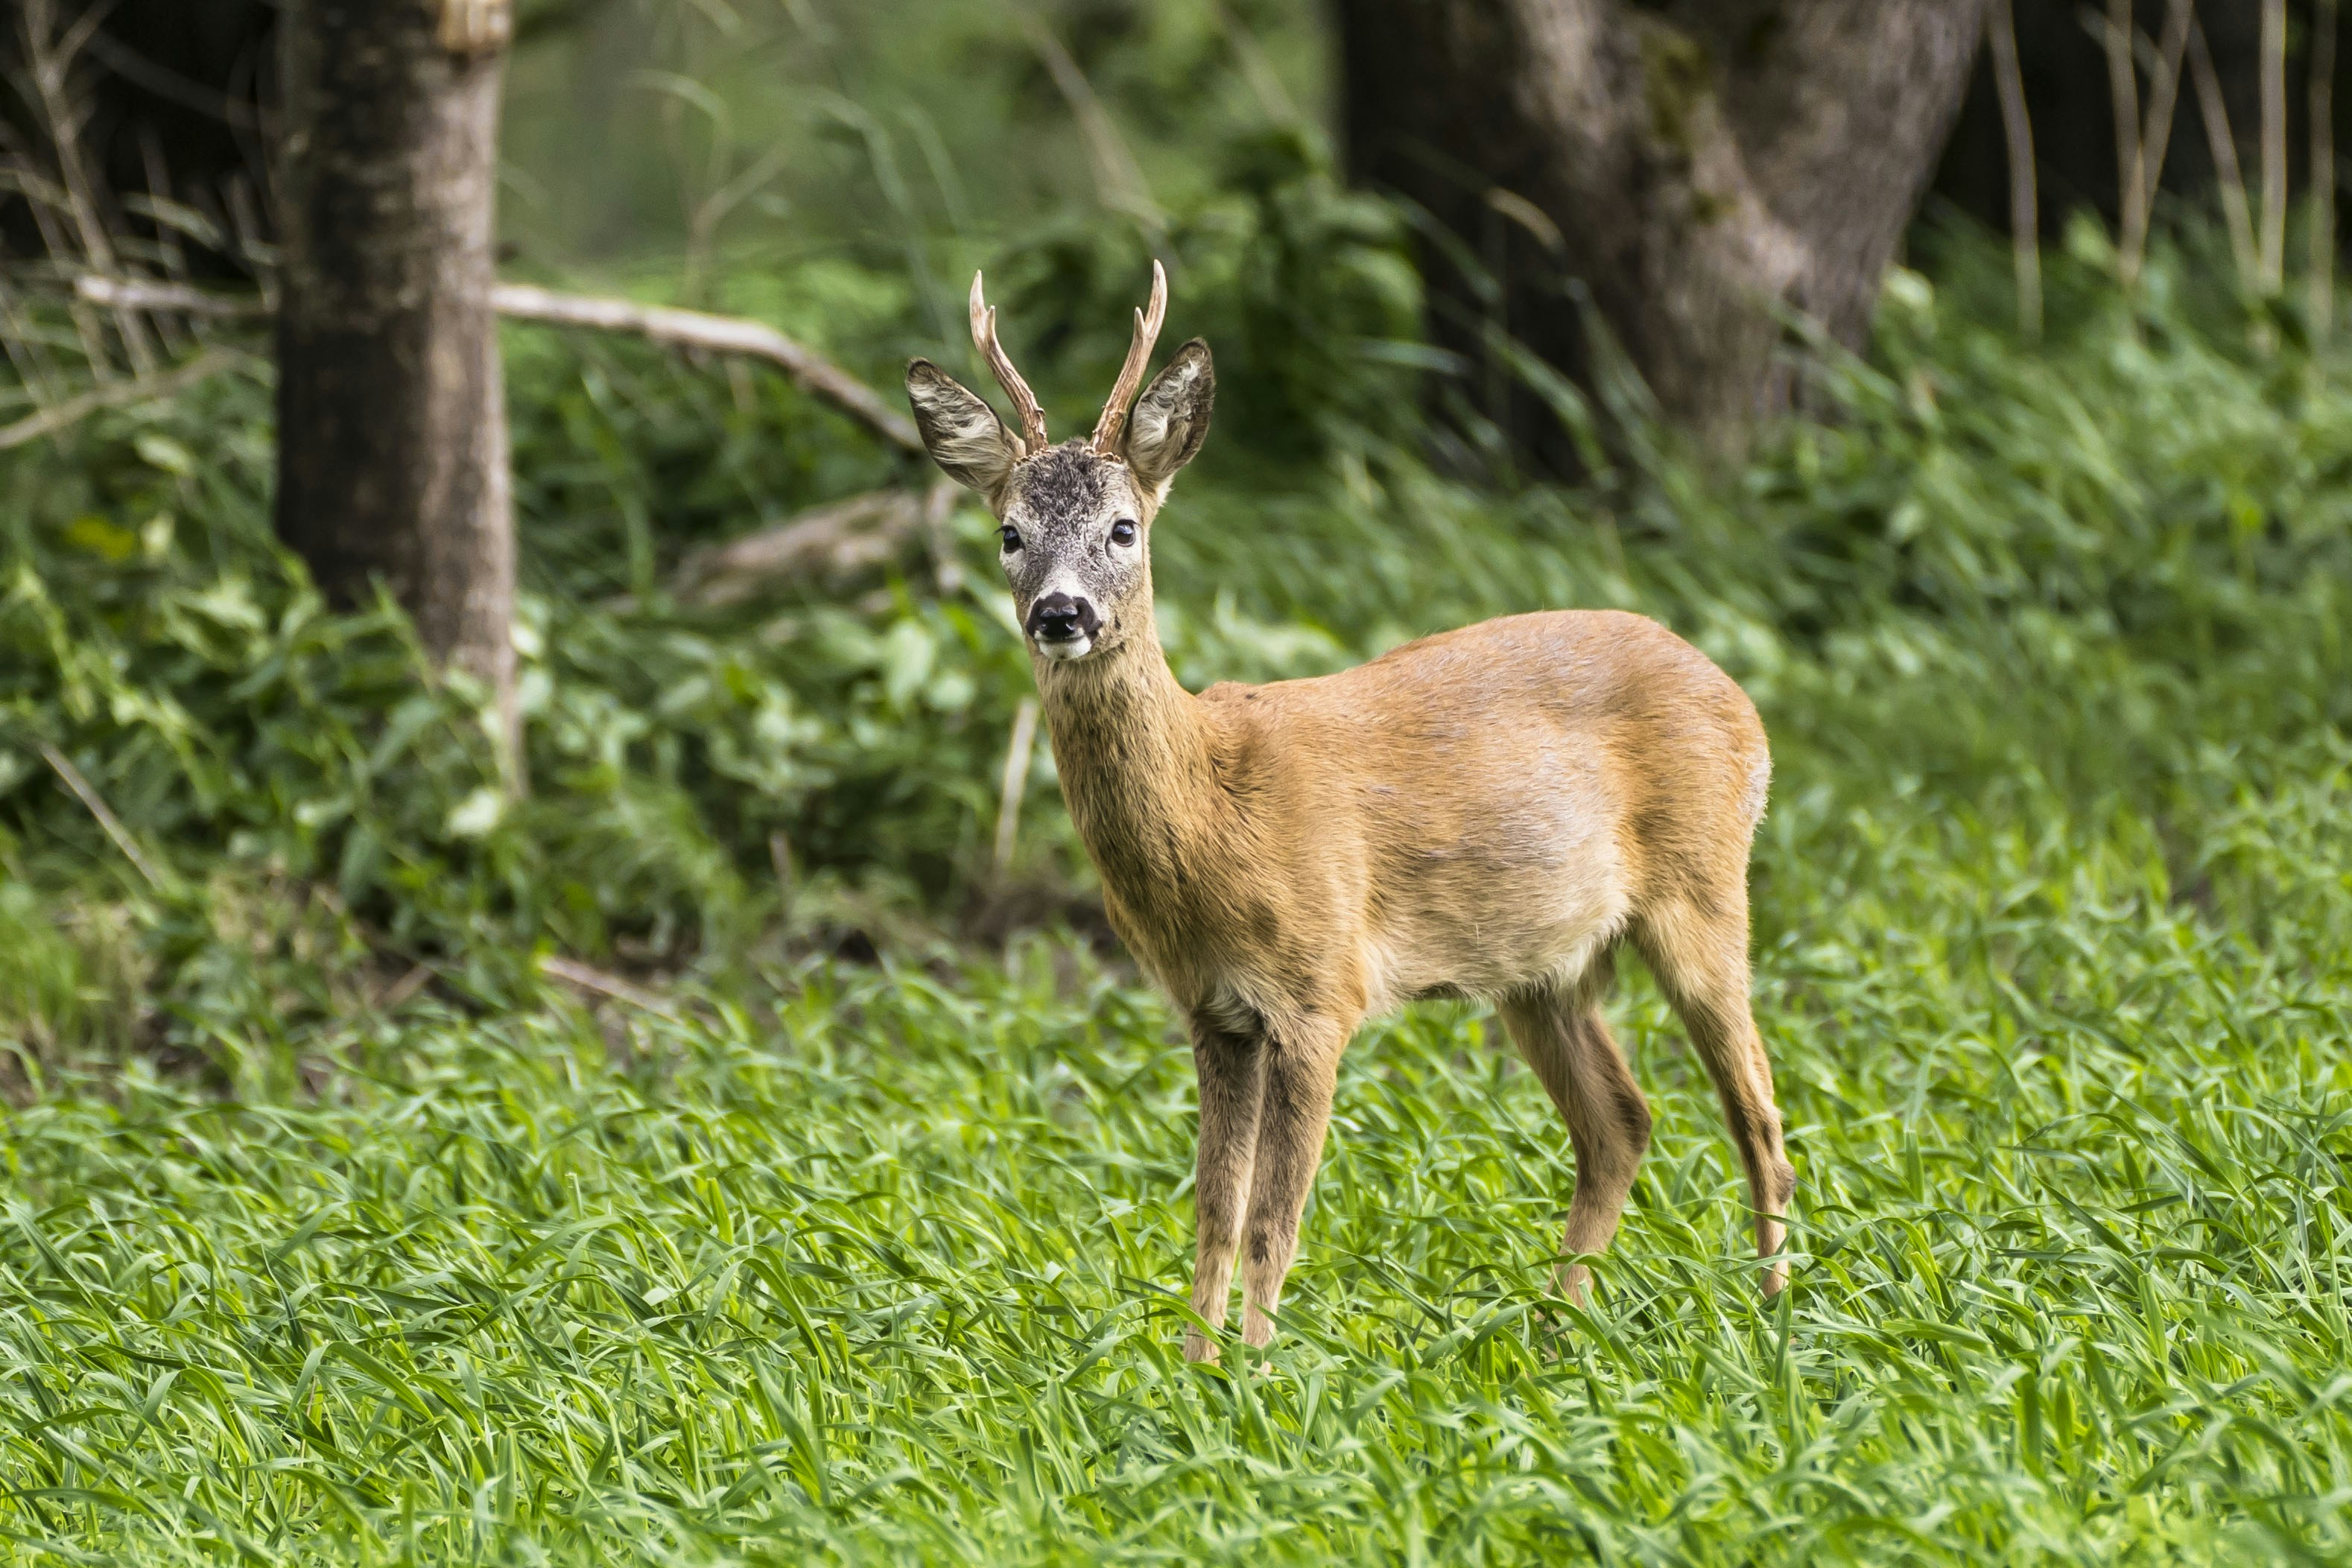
(1135, 753)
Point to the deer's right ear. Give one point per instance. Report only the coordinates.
(965, 437)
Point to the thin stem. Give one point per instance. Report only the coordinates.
(56, 416)
(2123, 95)
(1118, 179)
(49, 59)
(2273, 82)
(2323, 168)
(2236, 215)
(1014, 784)
(107, 820)
(2155, 132)
(2024, 205)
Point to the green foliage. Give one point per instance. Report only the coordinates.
(1302, 289)
(881, 134)
(2133, 535)
(357, 1243)
(886, 1267)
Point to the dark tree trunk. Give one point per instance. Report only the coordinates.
(1689, 166)
(392, 411)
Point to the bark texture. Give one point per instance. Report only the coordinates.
(1687, 167)
(393, 460)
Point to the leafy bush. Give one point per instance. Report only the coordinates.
(1996, 566)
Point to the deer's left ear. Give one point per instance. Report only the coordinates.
(1171, 417)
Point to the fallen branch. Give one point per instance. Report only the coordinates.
(71, 776)
(407, 986)
(718, 335)
(58, 416)
(524, 302)
(144, 294)
(827, 543)
(602, 984)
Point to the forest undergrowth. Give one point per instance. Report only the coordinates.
(338, 1229)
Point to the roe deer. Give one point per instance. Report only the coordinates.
(1485, 813)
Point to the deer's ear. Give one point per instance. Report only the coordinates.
(1171, 417)
(962, 432)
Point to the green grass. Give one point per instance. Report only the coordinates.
(823, 1263)
(888, 1269)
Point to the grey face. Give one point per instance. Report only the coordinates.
(1074, 523)
(1073, 544)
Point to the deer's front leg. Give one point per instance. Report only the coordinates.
(1231, 1063)
(1302, 1069)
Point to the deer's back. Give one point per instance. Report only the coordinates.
(1490, 804)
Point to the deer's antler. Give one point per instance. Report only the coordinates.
(1032, 438)
(1131, 374)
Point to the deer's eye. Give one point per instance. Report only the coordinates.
(1011, 537)
(1122, 532)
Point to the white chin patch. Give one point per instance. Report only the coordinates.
(1064, 652)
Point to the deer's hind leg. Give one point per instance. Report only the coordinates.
(1697, 948)
(1561, 1033)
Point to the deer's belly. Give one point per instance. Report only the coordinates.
(1485, 936)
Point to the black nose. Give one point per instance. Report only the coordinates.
(1058, 618)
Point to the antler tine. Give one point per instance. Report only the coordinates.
(1032, 438)
(1139, 359)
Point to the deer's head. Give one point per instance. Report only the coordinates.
(1074, 519)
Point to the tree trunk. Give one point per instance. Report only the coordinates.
(392, 423)
(1688, 167)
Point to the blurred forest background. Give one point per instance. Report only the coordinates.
(694, 720)
(641, 1096)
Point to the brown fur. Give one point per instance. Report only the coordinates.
(1489, 813)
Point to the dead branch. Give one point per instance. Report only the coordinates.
(401, 990)
(524, 302)
(49, 59)
(145, 293)
(597, 981)
(718, 335)
(58, 416)
(826, 543)
(44, 200)
(25, 352)
(98, 808)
